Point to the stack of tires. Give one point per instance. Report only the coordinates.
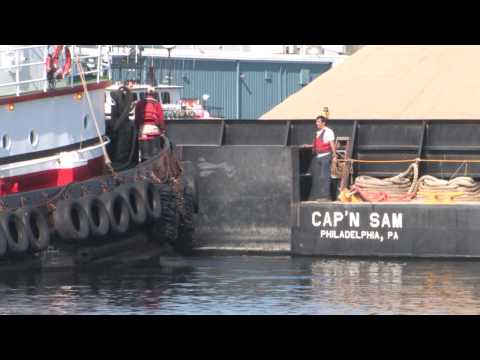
(117, 212)
(24, 231)
(176, 227)
(166, 214)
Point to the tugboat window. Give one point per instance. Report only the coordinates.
(165, 98)
(6, 143)
(85, 121)
(135, 97)
(33, 137)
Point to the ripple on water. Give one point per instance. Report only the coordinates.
(252, 285)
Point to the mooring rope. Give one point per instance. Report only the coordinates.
(416, 160)
(81, 72)
(396, 188)
(402, 188)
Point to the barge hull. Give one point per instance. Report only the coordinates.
(254, 185)
(387, 230)
(244, 196)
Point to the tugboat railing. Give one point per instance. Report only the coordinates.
(13, 71)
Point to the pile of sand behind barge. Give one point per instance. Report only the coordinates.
(393, 82)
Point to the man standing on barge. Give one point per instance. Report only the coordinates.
(324, 150)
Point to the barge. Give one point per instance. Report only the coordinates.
(65, 199)
(254, 185)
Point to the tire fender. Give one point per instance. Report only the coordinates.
(15, 233)
(118, 212)
(135, 202)
(36, 227)
(71, 220)
(152, 199)
(98, 216)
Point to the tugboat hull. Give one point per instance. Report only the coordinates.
(163, 230)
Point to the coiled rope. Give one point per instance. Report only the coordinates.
(397, 188)
(402, 188)
(461, 188)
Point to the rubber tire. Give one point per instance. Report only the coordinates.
(118, 224)
(136, 204)
(3, 243)
(185, 242)
(168, 229)
(152, 199)
(64, 224)
(97, 213)
(38, 239)
(17, 239)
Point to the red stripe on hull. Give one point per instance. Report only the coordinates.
(51, 178)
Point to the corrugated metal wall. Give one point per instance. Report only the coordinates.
(237, 89)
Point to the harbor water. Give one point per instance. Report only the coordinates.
(250, 285)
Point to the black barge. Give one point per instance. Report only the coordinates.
(254, 184)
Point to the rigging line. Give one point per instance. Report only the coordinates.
(108, 162)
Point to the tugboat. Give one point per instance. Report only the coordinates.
(63, 201)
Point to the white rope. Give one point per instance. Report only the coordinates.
(108, 162)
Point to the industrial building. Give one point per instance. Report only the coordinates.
(241, 82)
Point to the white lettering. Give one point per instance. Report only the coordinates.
(386, 221)
(327, 221)
(315, 222)
(397, 220)
(337, 217)
(354, 219)
(377, 220)
(374, 220)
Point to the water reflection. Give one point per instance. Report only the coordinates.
(250, 285)
(88, 292)
(413, 287)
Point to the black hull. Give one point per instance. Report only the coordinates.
(387, 230)
(254, 183)
(141, 244)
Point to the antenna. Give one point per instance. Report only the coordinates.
(169, 48)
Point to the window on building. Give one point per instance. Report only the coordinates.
(304, 77)
(166, 98)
